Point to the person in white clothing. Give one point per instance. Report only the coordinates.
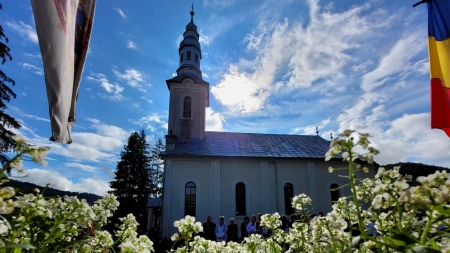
(221, 230)
(252, 226)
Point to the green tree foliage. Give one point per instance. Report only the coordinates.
(7, 143)
(132, 184)
(156, 171)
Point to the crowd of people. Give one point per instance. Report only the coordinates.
(223, 232)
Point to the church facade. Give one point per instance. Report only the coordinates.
(235, 174)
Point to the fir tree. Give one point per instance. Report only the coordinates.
(156, 172)
(7, 143)
(132, 182)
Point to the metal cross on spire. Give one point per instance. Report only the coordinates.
(192, 13)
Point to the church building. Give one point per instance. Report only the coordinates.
(234, 174)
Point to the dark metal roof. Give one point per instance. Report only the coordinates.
(154, 202)
(252, 145)
(179, 78)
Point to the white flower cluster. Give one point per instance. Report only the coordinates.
(271, 221)
(186, 227)
(301, 202)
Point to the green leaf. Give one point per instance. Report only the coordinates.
(396, 240)
(401, 240)
(442, 209)
(434, 245)
(19, 245)
(423, 249)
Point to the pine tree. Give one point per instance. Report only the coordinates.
(7, 143)
(132, 182)
(157, 165)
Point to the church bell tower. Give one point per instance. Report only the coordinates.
(189, 93)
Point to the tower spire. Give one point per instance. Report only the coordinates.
(192, 14)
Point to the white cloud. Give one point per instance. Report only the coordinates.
(26, 31)
(215, 26)
(293, 55)
(131, 44)
(205, 75)
(101, 145)
(121, 13)
(22, 114)
(153, 123)
(218, 3)
(34, 117)
(87, 147)
(95, 121)
(114, 90)
(239, 91)
(38, 55)
(397, 60)
(214, 121)
(82, 167)
(32, 68)
(409, 138)
(131, 76)
(148, 100)
(311, 129)
(42, 177)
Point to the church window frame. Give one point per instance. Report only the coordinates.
(335, 192)
(187, 107)
(288, 193)
(181, 57)
(240, 199)
(248, 199)
(188, 55)
(196, 58)
(190, 198)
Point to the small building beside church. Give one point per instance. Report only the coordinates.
(235, 174)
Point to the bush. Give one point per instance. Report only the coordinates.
(66, 224)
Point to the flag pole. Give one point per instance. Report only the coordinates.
(421, 2)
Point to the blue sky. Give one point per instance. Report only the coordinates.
(273, 67)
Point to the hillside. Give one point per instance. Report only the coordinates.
(416, 169)
(25, 187)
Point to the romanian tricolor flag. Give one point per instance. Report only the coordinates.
(439, 54)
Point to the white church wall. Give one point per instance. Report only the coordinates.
(216, 179)
(249, 172)
(183, 172)
(294, 173)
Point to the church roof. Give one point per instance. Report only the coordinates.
(227, 144)
(180, 77)
(154, 202)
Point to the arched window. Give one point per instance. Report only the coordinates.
(240, 198)
(335, 193)
(187, 106)
(190, 198)
(288, 195)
